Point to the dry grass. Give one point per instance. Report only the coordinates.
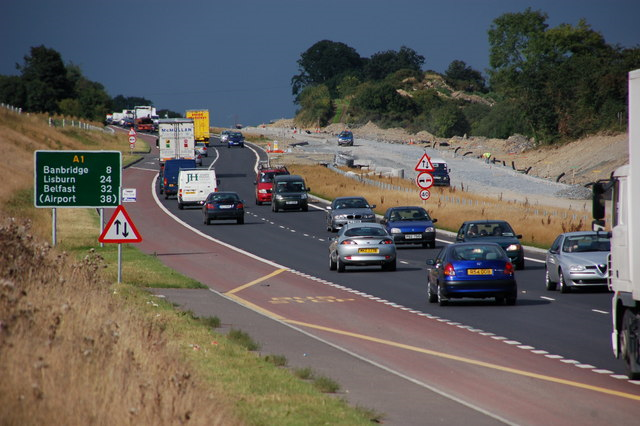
(539, 225)
(76, 349)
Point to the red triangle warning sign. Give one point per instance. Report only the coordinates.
(120, 229)
(424, 165)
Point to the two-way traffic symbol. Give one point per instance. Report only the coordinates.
(120, 229)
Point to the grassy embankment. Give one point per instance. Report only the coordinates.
(75, 348)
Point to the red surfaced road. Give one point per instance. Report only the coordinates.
(502, 377)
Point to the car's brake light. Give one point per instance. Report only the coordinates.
(387, 241)
(346, 242)
(508, 268)
(211, 206)
(240, 206)
(449, 270)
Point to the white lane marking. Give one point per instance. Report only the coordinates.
(598, 311)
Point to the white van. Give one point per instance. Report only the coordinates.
(194, 186)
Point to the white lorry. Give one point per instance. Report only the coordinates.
(624, 259)
(176, 139)
(194, 186)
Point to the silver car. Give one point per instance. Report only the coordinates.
(362, 244)
(345, 210)
(577, 259)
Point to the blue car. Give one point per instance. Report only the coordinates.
(476, 270)
(235, 139)
(345, 138)
(410, 225)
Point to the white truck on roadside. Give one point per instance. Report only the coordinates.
(176, 139)
(195, 185)
(624, 259)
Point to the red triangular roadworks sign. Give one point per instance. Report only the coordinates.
(120, 229)
(424, 164)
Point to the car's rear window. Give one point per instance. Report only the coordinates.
(223, 198)
(365, 231)
(477, 252)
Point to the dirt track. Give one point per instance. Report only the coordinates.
(578, 162)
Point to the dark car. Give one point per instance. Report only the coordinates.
(477, 270)
(494, 231)
(289, 192)
(221, 206)
(440, 172)
(169, 174)
(235, 139)
(345, 210)
(410, 225)
(345, 138)
(577, 259)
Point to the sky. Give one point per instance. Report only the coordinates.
(236, 58)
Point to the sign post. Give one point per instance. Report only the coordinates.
(120, 229)
(76, 179)
(132, 139)
(424, 180)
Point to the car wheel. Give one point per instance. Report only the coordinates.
(332, 263)
(166, 196)
(180, 205)
(629, 345)
(442, 301)
(305, 208)
(564, 288)
(240, 220)
(274, 207)
(550, 285)
(389, 266)
(258, 202)
(340, 264)
(520, 265)
(432, 297)
(206, 220)
(511, 300)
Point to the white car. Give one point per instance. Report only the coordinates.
(224, 136)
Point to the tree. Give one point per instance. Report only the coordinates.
(463, 77)
(45, 80)
(316, 106)
(381, 64)
(12, 90)
(324, 61)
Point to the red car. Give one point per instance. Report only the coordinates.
(264, 181)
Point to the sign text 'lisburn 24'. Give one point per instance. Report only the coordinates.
(77, 178)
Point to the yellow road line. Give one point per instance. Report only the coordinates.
(570, 383)
(470, 361)
(254, 282)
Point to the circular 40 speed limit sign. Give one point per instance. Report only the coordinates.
(425, 194)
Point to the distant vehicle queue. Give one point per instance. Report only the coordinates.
(480, 263)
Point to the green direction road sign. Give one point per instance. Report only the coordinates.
(77, 178)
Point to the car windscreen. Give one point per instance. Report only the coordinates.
(351, 203)
(292, 186)
(409, 214)
(365, 231)
(586, 243)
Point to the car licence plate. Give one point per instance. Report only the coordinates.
(367, 250)
(413, 236)
(479, 271)
(291, 202)
(226, 206)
